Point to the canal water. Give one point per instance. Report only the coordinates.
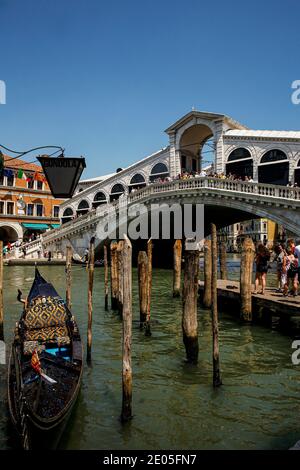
(174, 404)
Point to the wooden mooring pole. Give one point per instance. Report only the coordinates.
(149, 288)
(1, 293)
(120, 275)
(114, 275)
(105, 278)
(223, 260)
(127, 332)
(143, 285)
(189, 305)
(68, 277)
(177, 255)
(207, 274)
(214, 308)
(91, 262)
(247, 259)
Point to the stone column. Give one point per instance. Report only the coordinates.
(219, 148)
(174, 157)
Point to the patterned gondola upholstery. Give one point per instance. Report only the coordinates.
(45, 321)
(45, 312)
(50, 334)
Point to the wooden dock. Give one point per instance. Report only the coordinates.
(272, 302)
(33, 262)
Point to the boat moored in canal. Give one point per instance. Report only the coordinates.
(83, 261)
(45, 367)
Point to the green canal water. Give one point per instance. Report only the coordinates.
(174, 404)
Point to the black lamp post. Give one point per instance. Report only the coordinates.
(62, 174)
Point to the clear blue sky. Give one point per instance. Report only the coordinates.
(104, 79)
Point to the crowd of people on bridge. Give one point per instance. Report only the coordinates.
(185, 175)
(287, 258)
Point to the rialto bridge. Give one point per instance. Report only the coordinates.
(270, 159)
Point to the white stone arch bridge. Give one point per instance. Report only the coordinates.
(225, 202)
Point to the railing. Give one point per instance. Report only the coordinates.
(282, 193)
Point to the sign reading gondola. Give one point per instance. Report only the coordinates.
(62, 174)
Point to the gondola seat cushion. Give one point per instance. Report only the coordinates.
(49, 334)
(44, 313)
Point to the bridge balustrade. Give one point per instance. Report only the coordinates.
(261, 189)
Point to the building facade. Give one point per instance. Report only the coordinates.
(260, 230)
(26, 204)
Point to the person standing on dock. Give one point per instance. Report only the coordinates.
(291, 270)
(297, 255)
(262, 263)
(280, 255)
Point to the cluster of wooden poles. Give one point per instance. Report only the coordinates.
(121, 296)
(246, 273)
(121, 299)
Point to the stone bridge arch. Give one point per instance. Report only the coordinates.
(225, 202)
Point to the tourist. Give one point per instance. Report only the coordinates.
(262, 263)
(291, 269)
(280, 255)
(49, 256)
(86, 255)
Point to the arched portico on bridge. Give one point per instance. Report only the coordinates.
(240, 163)
(99, 199)
(136, 182)
(273, 168)
(83, 207)
(194, 147)
(67, 215)
(116, 191)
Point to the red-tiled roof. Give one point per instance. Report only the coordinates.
(17, 164)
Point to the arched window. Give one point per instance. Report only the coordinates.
(239, 154)
(160, 170)
(116, 191)
(99, 199)
(137, 182)
(240, 163)
(67, 215)
(83, 207)
(273, 156)
(274, 168)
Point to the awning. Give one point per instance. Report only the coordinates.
(36, 226)
(55, 225)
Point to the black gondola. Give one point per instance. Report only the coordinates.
(41, 398)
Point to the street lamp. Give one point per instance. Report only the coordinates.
(62, 174)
